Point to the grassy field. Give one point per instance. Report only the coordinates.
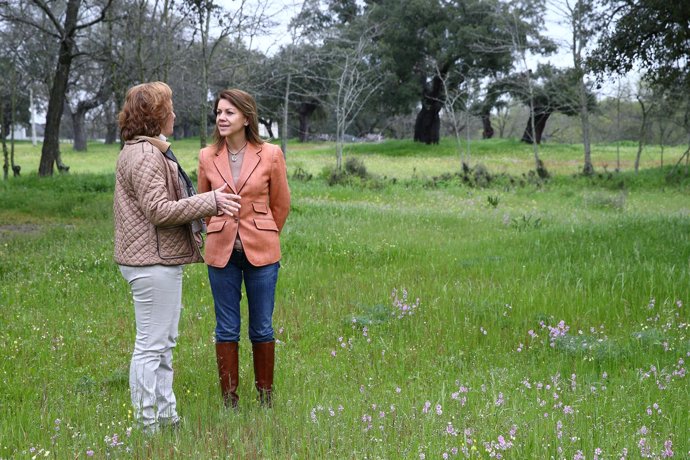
(395, 158)
(418, 316)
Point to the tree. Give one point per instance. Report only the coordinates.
(621, 92)
(583, 21)
(19, 68)
(291, 70)
(206, 16)
(62, 26)
(464, 99)
(424, 41)
(11, 113)
(81, 98)
(669, 103)
(132, 50)
(275, 95)
(646, 106)
(309, 86)
(355, 78)
(159, 40)
(307, 57)
(522, 27)
(520, 47)
(554, 90)
(651, 34)
(203, 12)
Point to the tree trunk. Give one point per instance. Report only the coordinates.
(203, 125)
(339, 142)
(303, 127)
(540, 119)
(662, 138)
(488, 130)
(78, 122)
(268, 125)
(588, 168)
(110, 124)
(284, 123)
(427, 126)
(643, 130)
(10, 125)
(79, 115)
(32, 110)
(111, 134)
(204, 28)
(50, 153)
(304, 111)
(5, 153)
(13, 111)
(640, 146)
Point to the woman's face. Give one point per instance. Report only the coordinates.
(168, 127)
(229, 120)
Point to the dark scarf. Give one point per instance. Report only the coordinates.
(198, 226)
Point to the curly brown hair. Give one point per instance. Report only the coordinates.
(146, 108)
(246, 104)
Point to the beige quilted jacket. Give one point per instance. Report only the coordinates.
(151, 210)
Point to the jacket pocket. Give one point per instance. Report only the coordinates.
(266, 224)
(215, 226)
(174, 242)
(260, 208)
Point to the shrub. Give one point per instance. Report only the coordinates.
(355, 167)
(301, 175)
(354, 173)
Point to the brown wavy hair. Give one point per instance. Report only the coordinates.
(146, 108)
(246, 104)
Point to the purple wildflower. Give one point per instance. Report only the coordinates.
(668, 451)
(499, 400)
(425, 409)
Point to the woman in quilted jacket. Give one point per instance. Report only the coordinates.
(244, 247)
(158, 224)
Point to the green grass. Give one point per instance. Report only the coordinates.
(394, 158)
(552, 317)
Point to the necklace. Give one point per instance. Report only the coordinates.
(233, 155)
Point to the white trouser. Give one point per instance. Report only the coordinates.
(157, 293)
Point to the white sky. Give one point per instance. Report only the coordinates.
(282, 11)
(557, 30)
(277, 11)
(555, 22)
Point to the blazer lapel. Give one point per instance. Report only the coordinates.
(249, 164)
(223, 166)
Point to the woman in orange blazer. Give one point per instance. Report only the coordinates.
(245, 244)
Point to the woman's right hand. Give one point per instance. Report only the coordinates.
(227, 203)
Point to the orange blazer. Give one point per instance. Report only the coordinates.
(265, 202)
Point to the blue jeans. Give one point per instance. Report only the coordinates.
(226, 286)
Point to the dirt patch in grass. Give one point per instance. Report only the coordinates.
(11, 230)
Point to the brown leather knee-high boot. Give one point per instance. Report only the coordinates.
(228, 371)
(264, 359)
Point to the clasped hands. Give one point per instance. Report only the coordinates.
(227, 203)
